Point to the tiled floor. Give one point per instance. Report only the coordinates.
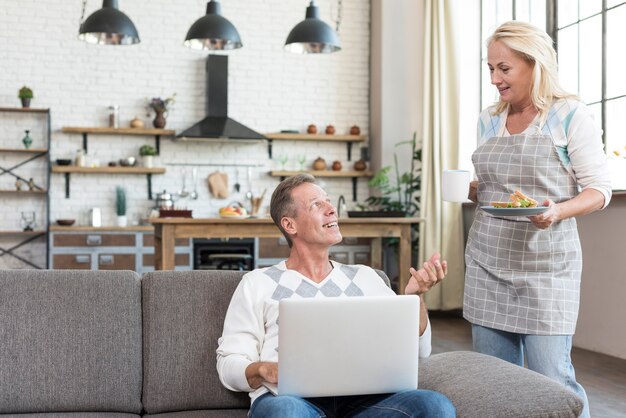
(603, 377)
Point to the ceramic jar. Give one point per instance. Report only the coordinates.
(336, 166)
(311, 129)
(355, 130)
(330, 130)
(319, 164)
(360, 165)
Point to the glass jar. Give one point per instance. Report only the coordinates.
(114, 116)
(80, 158)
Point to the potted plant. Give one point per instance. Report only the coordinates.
(147, 153)
(120, 206)
(25, 94)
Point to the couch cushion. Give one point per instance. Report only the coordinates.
(183, 315)
(70, 341)
(483, 386)
(73, 415)
(220, 413)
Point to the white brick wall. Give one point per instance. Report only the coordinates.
(269, 90)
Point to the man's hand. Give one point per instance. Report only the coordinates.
(261, 371)
(433, 271)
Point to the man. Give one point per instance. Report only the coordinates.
(247, 354)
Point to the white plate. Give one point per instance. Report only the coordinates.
(514, 211)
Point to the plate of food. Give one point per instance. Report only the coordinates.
(519, 205)
(233, 212)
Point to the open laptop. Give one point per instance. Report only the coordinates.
(347, 346)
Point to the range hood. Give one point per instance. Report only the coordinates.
(217, 124)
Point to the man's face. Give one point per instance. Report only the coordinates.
(315, 222)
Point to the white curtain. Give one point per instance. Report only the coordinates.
(443, 229)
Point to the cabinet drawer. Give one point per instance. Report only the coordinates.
(182, 260)
(116, 262)
(148, 241)
(272, 248)
(71, 261)
(94, 240)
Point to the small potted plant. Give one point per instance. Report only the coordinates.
(120, 206)
(25, 94)
(147, 153)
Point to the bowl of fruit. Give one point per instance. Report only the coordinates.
(234, 210)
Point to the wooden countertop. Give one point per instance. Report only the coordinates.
(142, 228)
(266, 220)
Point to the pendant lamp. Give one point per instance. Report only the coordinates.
(108, 26)
(312, 35)
(213, 31)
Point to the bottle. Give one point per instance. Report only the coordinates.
(27, 140)
(114, 116)
(80, 158)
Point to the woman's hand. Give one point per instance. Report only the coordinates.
(473, 191)
(546, 219)
(422, 280)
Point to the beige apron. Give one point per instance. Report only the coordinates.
(520, 278)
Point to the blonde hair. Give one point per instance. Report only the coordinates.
(535, 47)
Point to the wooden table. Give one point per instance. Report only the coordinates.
(166, 230)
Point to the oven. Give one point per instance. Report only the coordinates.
(224, 254)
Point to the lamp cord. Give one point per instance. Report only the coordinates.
(339, 10)
(82, 15)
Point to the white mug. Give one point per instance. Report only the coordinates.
(455, 185)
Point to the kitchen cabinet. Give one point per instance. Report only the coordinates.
(20, 163)
(111, 248)
(348, 139)
(86, 131)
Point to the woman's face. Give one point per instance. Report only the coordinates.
(510, 73)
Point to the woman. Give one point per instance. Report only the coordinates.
(523, 273)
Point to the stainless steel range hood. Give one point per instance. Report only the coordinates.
(217, 124)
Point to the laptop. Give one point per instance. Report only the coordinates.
(347, 346)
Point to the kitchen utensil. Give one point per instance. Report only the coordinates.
(249, 192)
(164, 200)
(237, 185)
(194, 180)
(218, 185)
(184, 192)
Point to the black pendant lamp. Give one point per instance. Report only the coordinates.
(108, 26)
(213, 31)
(312, 35)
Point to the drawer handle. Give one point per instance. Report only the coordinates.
(106, 260)
(94, 240)
(82, 259)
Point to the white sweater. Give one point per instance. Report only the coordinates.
(251, 324)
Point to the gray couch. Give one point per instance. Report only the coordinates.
(112, 344)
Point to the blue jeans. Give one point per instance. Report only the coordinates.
(545, 354)
(409, 403)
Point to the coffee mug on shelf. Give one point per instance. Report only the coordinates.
(455, 185)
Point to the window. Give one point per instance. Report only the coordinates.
(590, 63)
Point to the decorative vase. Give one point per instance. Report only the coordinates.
(319, 164)
(159, 120)
(122, 220)
(311, 129)
(27, 140)
(25, 101)
(147, 161)
(330, 130)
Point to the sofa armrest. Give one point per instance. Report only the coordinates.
(484, 386)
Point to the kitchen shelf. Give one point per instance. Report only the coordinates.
(328, 173)
(69, 169)
(85, 131)
(348, 139)
(26, 156)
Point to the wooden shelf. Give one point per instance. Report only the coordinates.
(23, 191)
(86, 130)
(348, 139)
(107, 170)
(19, 233)
(323, 173)
(24, 109)
(69, 169)
(116, 131)
(24, 150)
(354, 175)
(315, 137)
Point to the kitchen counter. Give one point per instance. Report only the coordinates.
(140, 228)
(168, 229)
